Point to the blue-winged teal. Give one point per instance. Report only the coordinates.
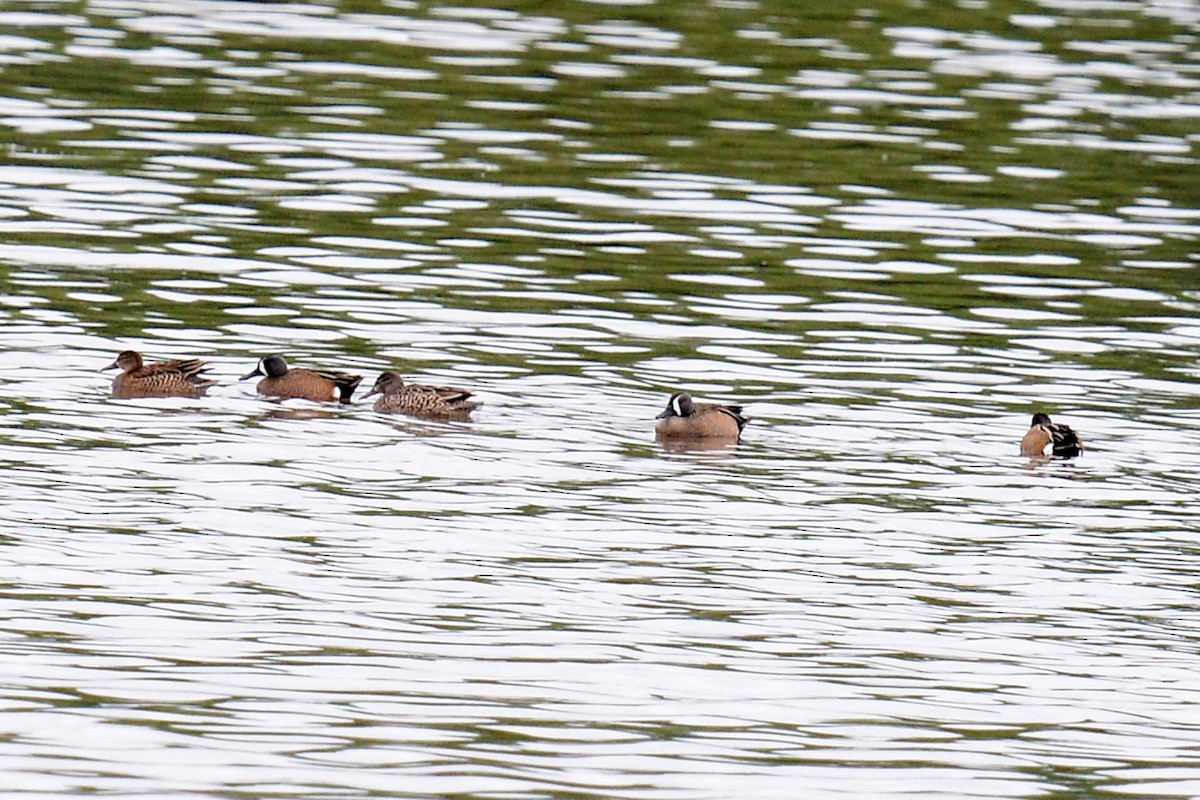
(685, 419)
(180, 378)
(1043, 433)
(302, 384)
(419, 400)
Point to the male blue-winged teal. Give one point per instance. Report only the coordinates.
(421, 401)
(686, 419)
(1043, 433)
(302, 384)
(179, 378)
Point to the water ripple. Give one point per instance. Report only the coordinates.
(891, 241)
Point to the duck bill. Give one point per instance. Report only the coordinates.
(113, 365)
(665, 414)
(250, 375)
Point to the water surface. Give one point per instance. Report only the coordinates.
(892, 232)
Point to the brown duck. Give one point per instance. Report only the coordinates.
(302, 384)
(178, 378)
(686, 419)
(421, 401)
(1043, 433)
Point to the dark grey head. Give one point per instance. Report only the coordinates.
(1040, 419)
(271, 366)
(680, 405)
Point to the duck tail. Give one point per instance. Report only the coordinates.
(346, 384)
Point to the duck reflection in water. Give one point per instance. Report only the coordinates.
(709, 445)
(298, 413)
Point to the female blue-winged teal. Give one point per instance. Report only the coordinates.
(685, 419)
(179, 378)
(302, 384)
(1043, 433)
(421, 401)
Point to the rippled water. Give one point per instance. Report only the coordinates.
(891, 231)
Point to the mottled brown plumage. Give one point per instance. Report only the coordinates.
(1043, 433)
(302, 384)
(421, 401)
(178, 378)
(685, 419)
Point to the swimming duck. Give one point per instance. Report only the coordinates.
(177, 378)
(419, 400)
(306, 384)
(1043, 433)
(686, 419)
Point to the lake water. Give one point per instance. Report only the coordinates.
(893, 231)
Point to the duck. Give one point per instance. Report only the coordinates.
(419, 400)
(686, 419)
(304, 384)
(176, 378)
(1043, 433)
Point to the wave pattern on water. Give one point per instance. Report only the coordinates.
(892, 238)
